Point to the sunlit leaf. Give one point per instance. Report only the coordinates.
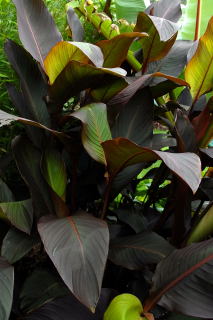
(199, 71)
(95, 129)
(167, 9)
(134, 6)
(6, 288)
(78, 247)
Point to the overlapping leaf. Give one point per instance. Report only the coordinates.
(37, 29)
(183, 281)
(121, 153)
(167, 9)
(75, 25)
(133, 252)
(5, 193)
(134, 6)
(19, 214)
(64, 52)
(95, 129)
(199, 71)
(78, 247)
(116, 49)
(6, 288)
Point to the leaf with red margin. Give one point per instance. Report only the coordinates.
(121, 153)
(116, 49)
(37, 30)
(183, 281)
(78, 247)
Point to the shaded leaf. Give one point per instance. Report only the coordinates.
(167, 9)
(182, 278)
(95, 129)
(19, 214)
(37, 29)
(116, 49)
(134, 219)
(16, 245)
(75, 25)
(199, 71)
(121, 153)
(5, 193)
(78, 247)
(133, 252)
(64, 52)
(39, 288)
(6, 288)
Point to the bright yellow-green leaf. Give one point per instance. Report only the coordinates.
(124, 307)
(64, 52)
(199, 71)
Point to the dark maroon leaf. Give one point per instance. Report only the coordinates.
(5, 193)
(167, 9)
(183, 281)
(78, 247)
(37, 29)
(133, 218)
(133, 252)
(6, 288)
(75, 25)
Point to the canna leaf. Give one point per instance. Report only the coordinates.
(75, 25)
(199, 71)
(64, 52)
(78, 247)
(121, 152)
(95, 129)
(6, 288)
(167, 9)
(37, 29)
(134, 6)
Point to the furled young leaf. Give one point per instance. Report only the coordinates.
(19, 214)
(77, 77)
(190, 19)
(75, 25)
(135, 251)
(16, 245)
(28, 160)
(39, 288)
(37, 29)
(121, 153)
(162, 35)
(124, 307)
(116, 49)
(64, 52)
(54, 171)
(6, 288)
(95, 129)
(183, 281)
(199, 71)
(167, 9)
(78, 247)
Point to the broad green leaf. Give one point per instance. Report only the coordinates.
(39, 288)
(6, 288)
(19, 214)
(129, 13)
(64, 52)
(203, 228)
(75, 25)
(77, 77)
(124, 307)
(183, 281)
(116, 49)
(37, 29)
(162, 35)
(95, 129)
(16, 245)
(199, 71)
(54, 171)
(187, 31)
(78, 247)
(135, 251)
(121, 153)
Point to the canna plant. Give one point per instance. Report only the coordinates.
(108, 204)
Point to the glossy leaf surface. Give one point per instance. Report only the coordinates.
(170, 10)
(6, 288)
(78, 247)
(184, 277)
(199, 71)
(64, 52)
(95, 129)
(19, 214)
(37, 29)
(121, 153)
(75, 25)
(135, 251)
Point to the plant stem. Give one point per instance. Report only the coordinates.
(107, 8)
(198, 20)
